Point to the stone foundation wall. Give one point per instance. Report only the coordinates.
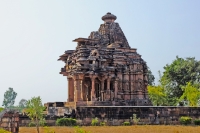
(148, 115)
(116, 115)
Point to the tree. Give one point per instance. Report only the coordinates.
(178, 73)
(157, 95)
(150, 77)
(170, 100)
(9, 98)
(34, 110)
(1, 109)
(22, 104)
(191, 94)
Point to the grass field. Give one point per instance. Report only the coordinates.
(119, 129)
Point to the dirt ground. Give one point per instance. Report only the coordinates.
(118, 129)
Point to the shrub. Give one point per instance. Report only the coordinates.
(135, 119)
(102, 123)
(95, 122)
(43, 122)
(197, 122)
(4, 131)
(66, 122)
(126, 123)
(185, 120)
(31, 124)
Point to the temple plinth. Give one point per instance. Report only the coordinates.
(104, 70)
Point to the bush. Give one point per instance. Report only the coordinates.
(185, 120)
(126, 123)
(135, 119)
(31, 124)
(42, 122)
(4, 131)
(95, 122)
(66, 122)
(102, 123)
(197, 122)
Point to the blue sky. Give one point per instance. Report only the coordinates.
(34, 33)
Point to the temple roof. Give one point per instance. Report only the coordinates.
(81, 40)
(84, 40)
(104, 50)
(69, 51)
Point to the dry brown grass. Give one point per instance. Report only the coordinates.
(120, 129)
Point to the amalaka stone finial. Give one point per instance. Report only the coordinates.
(109, 17)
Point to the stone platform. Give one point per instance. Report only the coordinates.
(119, 114)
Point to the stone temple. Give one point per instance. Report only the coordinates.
(107, 79)
(104, 70)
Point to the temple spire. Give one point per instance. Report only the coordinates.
(109, 17)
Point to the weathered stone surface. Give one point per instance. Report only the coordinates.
(147, 114)
(9, 120)
(104, 70)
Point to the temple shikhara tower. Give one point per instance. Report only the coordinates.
(104, 70)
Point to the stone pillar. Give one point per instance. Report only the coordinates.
(108, 89)
(77, 89)
(102, 88)
(68, 80)
(132, 84)
(116, 88)
(93, 97)
(81, 77)
(81, 88)
(70, 89)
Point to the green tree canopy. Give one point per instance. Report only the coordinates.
(22, 103)
(34, 110)
(9, 98)
(156, 95)
(191, 94)
(178, 73)
(150, 77)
